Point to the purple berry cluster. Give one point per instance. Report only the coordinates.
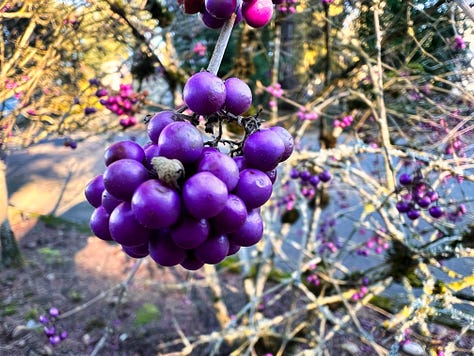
(417, 196)
(309, 181)
(363, 290)
(124, 104)
(205, 93)
(181, 202)
(214, 13)
(179, 199)
(54, 335)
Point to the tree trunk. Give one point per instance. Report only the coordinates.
(10, 255)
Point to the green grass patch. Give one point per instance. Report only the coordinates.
(146, 314)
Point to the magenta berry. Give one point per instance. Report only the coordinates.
(257, 13)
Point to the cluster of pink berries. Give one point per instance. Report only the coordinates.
(304, 114)
(125, 103)
(200, 49)
(459, 43)
(363, 290)
(375, 243)
(286, 6)
(313, 277)
(275, 90)
(346, 121)
(327, 1)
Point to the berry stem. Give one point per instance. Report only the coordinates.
(221, 45)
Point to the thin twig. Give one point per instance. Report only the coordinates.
(221, 45)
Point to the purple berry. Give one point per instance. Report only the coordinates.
(182, 141)
(314, 180)
(436, 211)
(325, 176)
(204, 93)
(124, 149)
(423, 202)
(232, 217)
(294, 173)
(139, 251)
(94, 190)
(250, 232)
(402, 206)
(254, 188)
(99, 223)
(413, 214)
(157, 123)
(220, 9)
(156, 205)
(433, 195)
(238, 96)
(165, 252)
(109, 202)
(54, 340)
(263, 150)
(90, 110)
(222, 166)
(405, 179)
(191, 262)
(210, 21)
(273, 174)
(305, 175)
(49, 330)
(123, 177)
(213, 250)
(204, 195)
(233, 249)
(63, 335)
(54, 312)
(287, 140)
(241, 163)
(125, 229)
(190, 232)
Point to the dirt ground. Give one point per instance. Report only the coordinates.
(65, 268)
